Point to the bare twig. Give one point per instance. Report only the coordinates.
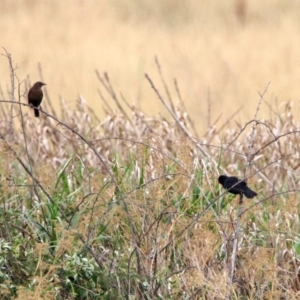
(12, 88)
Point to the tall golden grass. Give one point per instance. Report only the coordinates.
(130, 206)
(104, 195)
(221, 52)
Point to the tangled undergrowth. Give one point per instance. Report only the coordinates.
(129, 207)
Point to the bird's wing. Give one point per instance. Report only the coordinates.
(229, 182)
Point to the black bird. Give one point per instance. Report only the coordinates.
(239, 186)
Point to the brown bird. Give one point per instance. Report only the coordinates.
(35, 96)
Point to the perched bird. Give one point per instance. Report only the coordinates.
(35, 96)
(239, 186)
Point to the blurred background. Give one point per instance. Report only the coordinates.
(222, 53)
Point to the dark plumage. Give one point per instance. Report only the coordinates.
(239, 186)
(35, 96)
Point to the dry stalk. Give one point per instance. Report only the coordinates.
(12, 70)
(240, 205)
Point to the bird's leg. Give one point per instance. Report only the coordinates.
(241, 199)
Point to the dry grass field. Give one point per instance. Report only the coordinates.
(103, 199)
(130, 208)
(221, 52)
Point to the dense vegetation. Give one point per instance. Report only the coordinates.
(129, 207)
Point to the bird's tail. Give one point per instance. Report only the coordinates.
(36, 113)
(249, 193)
